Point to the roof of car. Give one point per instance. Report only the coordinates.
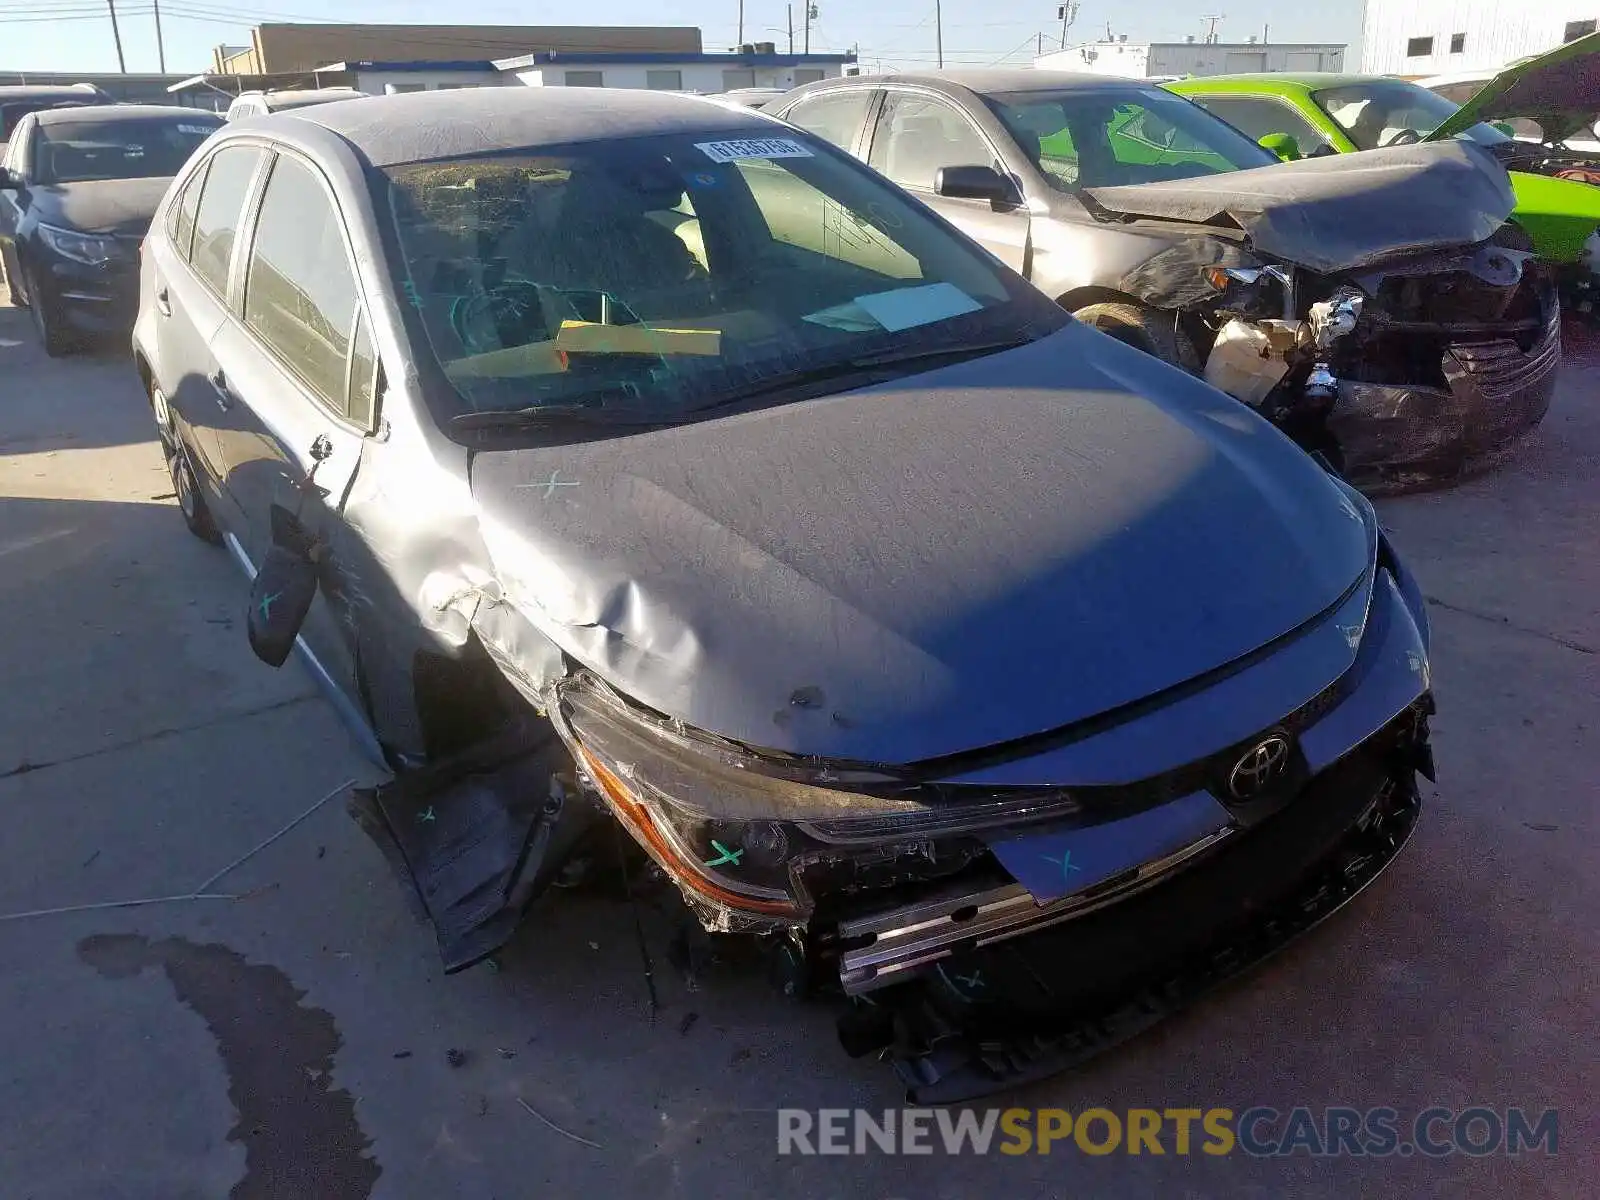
(119, 112)
(1278, 81)
(53, 91)
(419, 126)
(991, 80)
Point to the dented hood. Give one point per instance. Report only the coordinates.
(1560, 91)
(949, 561)
(1340, 212)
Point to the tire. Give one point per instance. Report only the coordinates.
(1147, 329)
(53, 336)
(186, 486)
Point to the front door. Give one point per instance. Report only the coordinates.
(300, 364)
(915, 135)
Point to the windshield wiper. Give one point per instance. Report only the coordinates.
(560, 414)
(863, 364)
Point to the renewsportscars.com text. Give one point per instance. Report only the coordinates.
(1260, 1132)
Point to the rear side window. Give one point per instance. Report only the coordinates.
(180, 226)
(216, 222)
(835, 116)
(300, 293)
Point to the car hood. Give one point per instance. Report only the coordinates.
(949, 561)
(1559, 90)
(1341, 212)
(102, 205)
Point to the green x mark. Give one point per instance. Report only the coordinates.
(266, 605)
(1064, 862)
(725, 855)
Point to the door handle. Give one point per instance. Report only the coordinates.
(219, 385)
(164, 303)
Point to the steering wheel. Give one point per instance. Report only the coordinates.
(508, 314)
(1404, 137)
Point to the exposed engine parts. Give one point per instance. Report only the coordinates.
(1407, 374)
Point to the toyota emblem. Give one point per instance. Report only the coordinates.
(1261, 766)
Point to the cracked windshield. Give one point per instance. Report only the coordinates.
(651, 277)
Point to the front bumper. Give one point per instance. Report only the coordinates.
(1007, 1014)
(96, 299)
(1396, 438)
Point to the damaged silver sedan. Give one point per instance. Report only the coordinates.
(626, 463)
(1378, 309)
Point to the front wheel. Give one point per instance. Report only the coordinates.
(1156, 333)
(186, 487)
(47, 323)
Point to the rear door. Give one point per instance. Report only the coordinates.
(191, 270)
(298, 357)
(916, 134)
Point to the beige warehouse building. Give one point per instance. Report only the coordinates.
(289, 49)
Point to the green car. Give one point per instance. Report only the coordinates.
(1311, 115)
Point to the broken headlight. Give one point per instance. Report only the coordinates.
(748, 831)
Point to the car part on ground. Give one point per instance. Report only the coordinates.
(662, 470)
(1170, 229)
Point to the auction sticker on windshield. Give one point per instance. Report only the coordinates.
(724, 152)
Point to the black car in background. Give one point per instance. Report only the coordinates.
(77, 190)
(17, 102)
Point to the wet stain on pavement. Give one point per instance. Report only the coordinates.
(300, 1133)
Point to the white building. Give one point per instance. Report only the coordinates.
(659, 72)
(1437, 37)
(674, 72)
(1194, 56)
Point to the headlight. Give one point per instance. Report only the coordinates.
(768, 836)
(93, 249)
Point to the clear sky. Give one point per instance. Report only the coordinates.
(75, 35)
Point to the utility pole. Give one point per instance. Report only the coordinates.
(1038, 45)
(938, 33)
(161, 45)
(1069, 13)
(811, 12)
(1211, 27)
(122, 64)
(790, 9)
(741, 26)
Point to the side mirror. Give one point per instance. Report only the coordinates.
(1283, 145)
(974, 183)
(10, 181)
(280, 598)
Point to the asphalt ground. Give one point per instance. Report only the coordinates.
(301, 1041)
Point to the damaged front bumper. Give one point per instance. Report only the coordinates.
(1410, 377)
(993, 923)
(1396, 438)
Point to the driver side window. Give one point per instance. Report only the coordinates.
(916, 135)
(1256, 117)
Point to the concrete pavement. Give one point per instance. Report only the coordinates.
(301, 1042)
